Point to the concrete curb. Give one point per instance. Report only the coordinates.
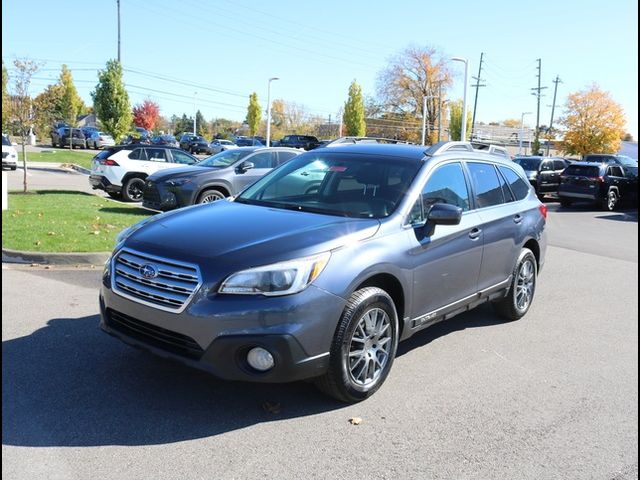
(77, 168)
(50, 258)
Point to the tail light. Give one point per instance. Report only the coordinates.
(543, 210)
(599, 179)
(109, 162)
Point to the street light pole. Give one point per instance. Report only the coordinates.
(194, 112)
(463, 129)
(269, 110)
(522, 130)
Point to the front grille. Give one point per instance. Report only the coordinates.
(151, 193)
(153, 335)
(154, 281)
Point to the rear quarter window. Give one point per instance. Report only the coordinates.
(518, 186)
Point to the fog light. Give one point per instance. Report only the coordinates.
(260, 359)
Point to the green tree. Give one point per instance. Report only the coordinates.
(111, 101)
(254, 114)
(5, 98)
(71, 105)
(353, 117)
(594, 122)
(455, 120)
(23, 111)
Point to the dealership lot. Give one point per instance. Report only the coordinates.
(553, 395)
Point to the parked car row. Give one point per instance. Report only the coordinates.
(606, 180)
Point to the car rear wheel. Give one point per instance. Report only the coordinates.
(610, 202)
(133, 188)
(363, 348)
(210, 196)
(523, 286)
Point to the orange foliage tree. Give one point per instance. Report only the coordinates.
(146, 114)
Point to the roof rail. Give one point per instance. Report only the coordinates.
(442, 147)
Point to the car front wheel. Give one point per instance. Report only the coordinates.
(363, 348)
(523, 287)
(610, 202)
(210, 196)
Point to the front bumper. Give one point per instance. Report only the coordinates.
(156, 196)
(215, 334)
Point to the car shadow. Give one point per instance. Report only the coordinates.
(69, 384)
(136, 210)
(481, 316)
(621, 217)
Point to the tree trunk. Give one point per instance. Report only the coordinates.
(24, 164)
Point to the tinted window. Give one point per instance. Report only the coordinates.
(559, 165)
(446, 185)
(284, 157)
(519, 187)
(599, 158)
(156, 154)
(506, 191)
(224, 159)
(137, 154)
(5, 141)
(547, 166)
(530, 164)
(616, 172)
(262, 160)
(582, 171)
(485, 184)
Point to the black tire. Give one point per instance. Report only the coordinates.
(211, 195)
(14, 167)
(343, 378)
(565, 202)
(522, 290)
(132, 190)
(610, 201)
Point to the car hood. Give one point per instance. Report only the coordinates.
(224, 237)
(190, 171)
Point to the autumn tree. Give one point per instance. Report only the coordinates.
(5, 97)
(511, 123)
(23, 111)
(412, 75)
(455, 120)
(111, 101)
(594, 122)
(254, 114)
(47, 108)
(353, 117)
(146, 114)
(71, 105)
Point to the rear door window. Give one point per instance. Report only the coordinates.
(486, 185)
(138, 154)
(156, 154)
(519, 187)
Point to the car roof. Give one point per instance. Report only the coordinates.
(589, 164)
(410, 152)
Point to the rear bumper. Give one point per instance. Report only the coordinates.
(99, 182)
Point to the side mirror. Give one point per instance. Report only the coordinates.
(444, 214)
(245, 166)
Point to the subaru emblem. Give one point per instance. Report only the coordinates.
(148, 271)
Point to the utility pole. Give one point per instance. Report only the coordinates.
(440, 110)
(194, 112)
(475, 102)
(118, 2)
(553, 107)
(424, 118)
(538, 94)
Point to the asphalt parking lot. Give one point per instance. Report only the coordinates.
(554, 395)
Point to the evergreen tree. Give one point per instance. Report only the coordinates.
(111, 101)
(353, 118)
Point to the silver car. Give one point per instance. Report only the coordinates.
(100, 140)
(220, 145)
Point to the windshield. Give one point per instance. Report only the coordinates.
(348, 185)
(224, 159)
(528, 163)
(627, 161)
(5, 141)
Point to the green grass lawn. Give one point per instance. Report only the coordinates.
(64, 221)
(60, 156)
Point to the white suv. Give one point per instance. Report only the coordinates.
(121, 171)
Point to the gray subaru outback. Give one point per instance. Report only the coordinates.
(321, 267)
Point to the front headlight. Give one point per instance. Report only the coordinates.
(177, 182)
(282, 278)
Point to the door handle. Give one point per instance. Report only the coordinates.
(474, 234)
(517, 218)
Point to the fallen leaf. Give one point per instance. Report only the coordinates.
(271, 407)
(355, 421)
(96, 232)
(51, 233)
(47, 267)
(38, 243)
